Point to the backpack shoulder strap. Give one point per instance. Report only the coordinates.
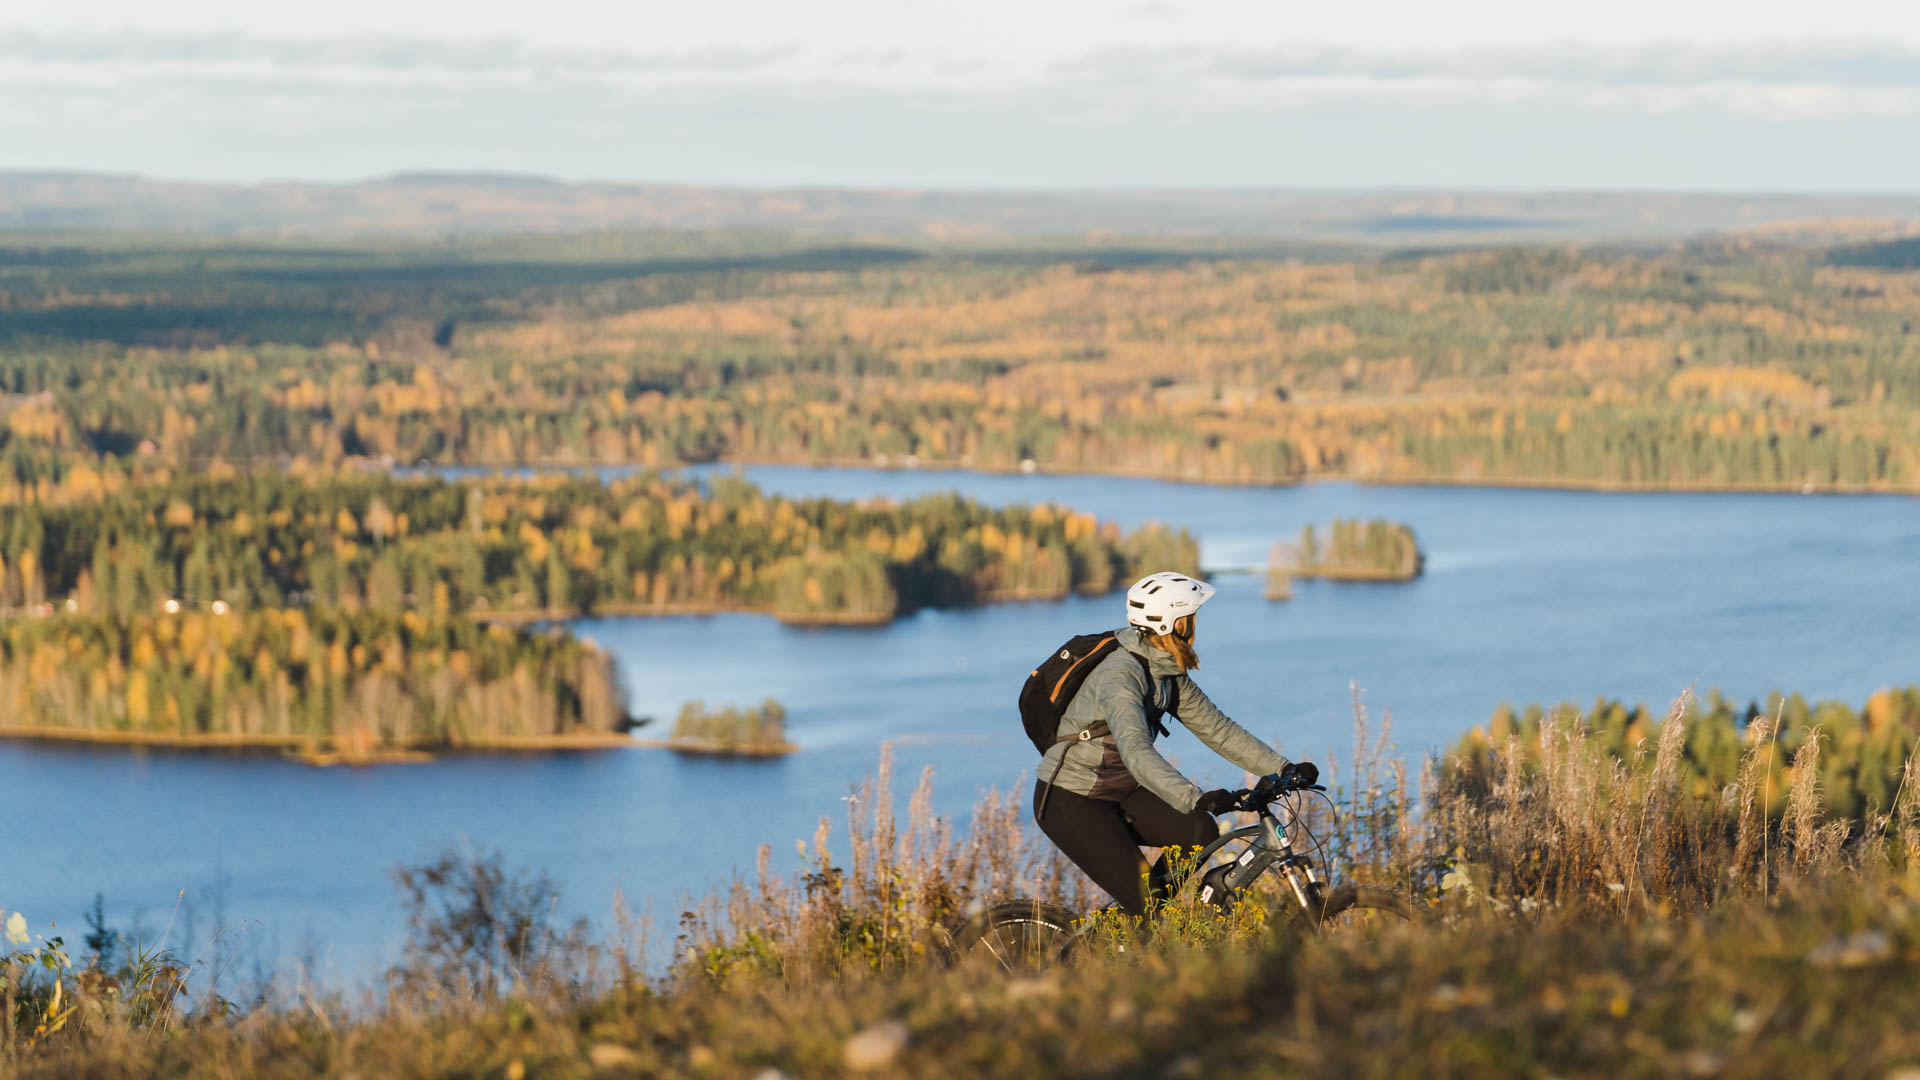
(1158, 723)
(1099, 729)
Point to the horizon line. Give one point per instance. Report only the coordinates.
(485, 176)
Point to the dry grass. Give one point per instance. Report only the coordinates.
(1561, 820)
(1593, 916)
(885, 906)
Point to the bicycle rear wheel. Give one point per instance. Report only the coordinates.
(1018, 936)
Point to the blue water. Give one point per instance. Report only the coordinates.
(1528, 596)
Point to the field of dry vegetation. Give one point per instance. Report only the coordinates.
(1590, 914)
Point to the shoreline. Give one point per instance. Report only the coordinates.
(311, 751)
(710, 748)
(645, 611)
(1618, 487)
(1389, 577)
(1622, 487)
(518, 616)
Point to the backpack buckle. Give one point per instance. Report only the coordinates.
(1086, 735)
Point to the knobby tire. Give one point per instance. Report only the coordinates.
(1346, 899)
(1019, 936)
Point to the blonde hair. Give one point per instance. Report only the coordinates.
(1178, 643)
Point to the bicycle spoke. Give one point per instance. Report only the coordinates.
(988, 942)
(1366, 911)
(1020, 936)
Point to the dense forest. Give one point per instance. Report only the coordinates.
(355, 611)
(303, 679)
(1707, 369)
(547, 545)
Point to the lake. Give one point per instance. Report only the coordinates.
(1528, 596)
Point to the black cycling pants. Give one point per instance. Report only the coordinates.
(1104, 838)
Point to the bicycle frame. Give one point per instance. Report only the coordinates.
(1047, 932)
(1271, 847)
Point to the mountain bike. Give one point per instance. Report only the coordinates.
(1255, 863)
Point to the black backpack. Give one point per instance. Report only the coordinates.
(1049, 690)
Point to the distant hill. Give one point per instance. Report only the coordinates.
(1891, 255)
(480, 203)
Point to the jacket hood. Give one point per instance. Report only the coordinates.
(1134, 640)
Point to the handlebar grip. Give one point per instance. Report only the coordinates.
(1265, 792)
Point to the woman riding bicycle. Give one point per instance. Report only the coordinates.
(1108, 791)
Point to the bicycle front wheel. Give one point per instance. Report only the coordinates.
(1018, 937)
(1361, 909)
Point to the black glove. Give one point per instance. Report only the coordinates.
(1218, 802)
(1303, 773)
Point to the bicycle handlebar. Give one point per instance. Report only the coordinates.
(1270, 788)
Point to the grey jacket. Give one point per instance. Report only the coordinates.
(1117, 692)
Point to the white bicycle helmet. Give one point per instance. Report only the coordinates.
(1155, 601)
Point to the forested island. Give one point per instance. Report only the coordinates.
(547, 546)
(1721, 367)
(342, 612)
(731, 731)
(321, 683)
(1349, 550)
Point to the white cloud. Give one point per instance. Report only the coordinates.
(134, 53)
(1849, 62)
(1839, 69)
(1022, 29)
(240, 105)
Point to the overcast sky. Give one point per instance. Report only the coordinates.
(1695, 94)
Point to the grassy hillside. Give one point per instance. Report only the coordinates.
(1819, 985)
(1588, 917)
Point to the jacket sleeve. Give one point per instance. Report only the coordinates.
(1222, 735)
(1122, 704)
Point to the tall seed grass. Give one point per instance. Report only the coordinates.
(1555, 821)
(888, 901)
(1551, 831)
